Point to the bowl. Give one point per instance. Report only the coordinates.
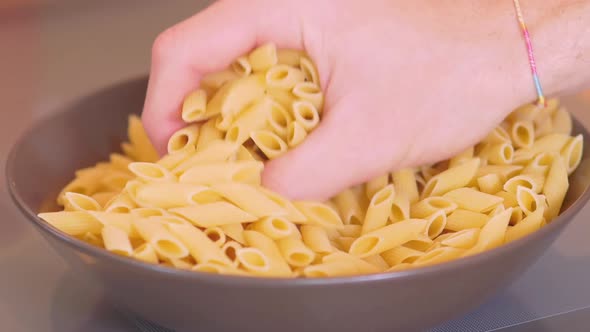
(44, 159)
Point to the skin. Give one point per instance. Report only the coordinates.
(406, 83)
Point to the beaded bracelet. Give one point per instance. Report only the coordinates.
(541, 97)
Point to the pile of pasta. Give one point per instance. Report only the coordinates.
(201, 207)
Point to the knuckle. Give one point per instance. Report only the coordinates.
(164, 45)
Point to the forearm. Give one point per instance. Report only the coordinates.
(560, 32)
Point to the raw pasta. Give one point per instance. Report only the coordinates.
(202, 207)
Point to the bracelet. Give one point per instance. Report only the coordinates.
(525, 32)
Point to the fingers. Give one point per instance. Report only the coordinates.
(336, 155)
(206, 42)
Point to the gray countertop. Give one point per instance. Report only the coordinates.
(56, 53)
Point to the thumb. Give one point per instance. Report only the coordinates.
(338, 154)
(204, 43)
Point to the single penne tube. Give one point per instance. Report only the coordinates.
(550, 143)
(319, 214)
(222, 172)
(439, 255)
(151, 172)
(360, 264)
(215, 152)
(208, 133)
(293, 214)
(523, 156)
(235, 232)
(214, 214)
(310, 92)
(146, 253)
(277, 264)
(572, 153)
(387, 237)
(295, 134)
(216, 235)
(540, 164)
(263, 57)
(473, 200)
(505, 172)
(170, 161)
(306, 114)
(122, 203)
(316, 238)
(284, 77)
(498, 154)
(555, 188)
(490, 183)
(452, 178)
(562, 122)
(421, 243)
(269, 143)
(376, 184)
(116, 241)
(530, 224)
(252, 119)
(349, 207)
(461, 219)
(498, 135)
(522, 134)
(400, 208)
(194, 106)
(464, 239)
(295, 252)
(73, 223)
(379, 209)
(529, 201)
(436, 223)
(183, 139)
(230, 249)
(241, 66)
(249, 199)
(492, 233)
(79, 202)
(235, 96)
(400, 255)
(143, 148)
(122, 221)
(166, 245)
(148, 212)
(430, 205)
(274, 227)
(309, 70)
(516, 216)
(405, 184)
(534, 182)
(377, 261)
(186, 263)
(466, 155)
(171, 195)
(200, 247)
(278, 119)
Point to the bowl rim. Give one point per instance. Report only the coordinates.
(237, 280)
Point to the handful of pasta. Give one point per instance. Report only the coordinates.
(202, 207)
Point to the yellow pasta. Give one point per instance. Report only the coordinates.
(263, 57)
(202, 206)
(194, 106)
(379, 209)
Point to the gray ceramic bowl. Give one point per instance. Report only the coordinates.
(45, 158)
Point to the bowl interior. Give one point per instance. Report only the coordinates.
(48, 154)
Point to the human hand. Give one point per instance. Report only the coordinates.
(405, 83)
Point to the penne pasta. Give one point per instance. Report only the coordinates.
(431, 205)
(269, 143)
(263, 57)
(319, 214)
(460, 220)
(473, 200)
(249, 199)
(453, 178)
(492, 234)
(248, 172)
(387, 237)
(165, 244)
(379, 209)
(310, 92)
(284, 77)
(295, 134)
(277, 265)
(349, 207)
(213, 214)
(555, 188)
(194, 107)
(184, 139)
(274, 227)
(306, 114)
(295, 252)
(116, 241)
(200, 247)
(526, 226)
(406, 184)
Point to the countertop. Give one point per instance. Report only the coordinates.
(61, 50)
